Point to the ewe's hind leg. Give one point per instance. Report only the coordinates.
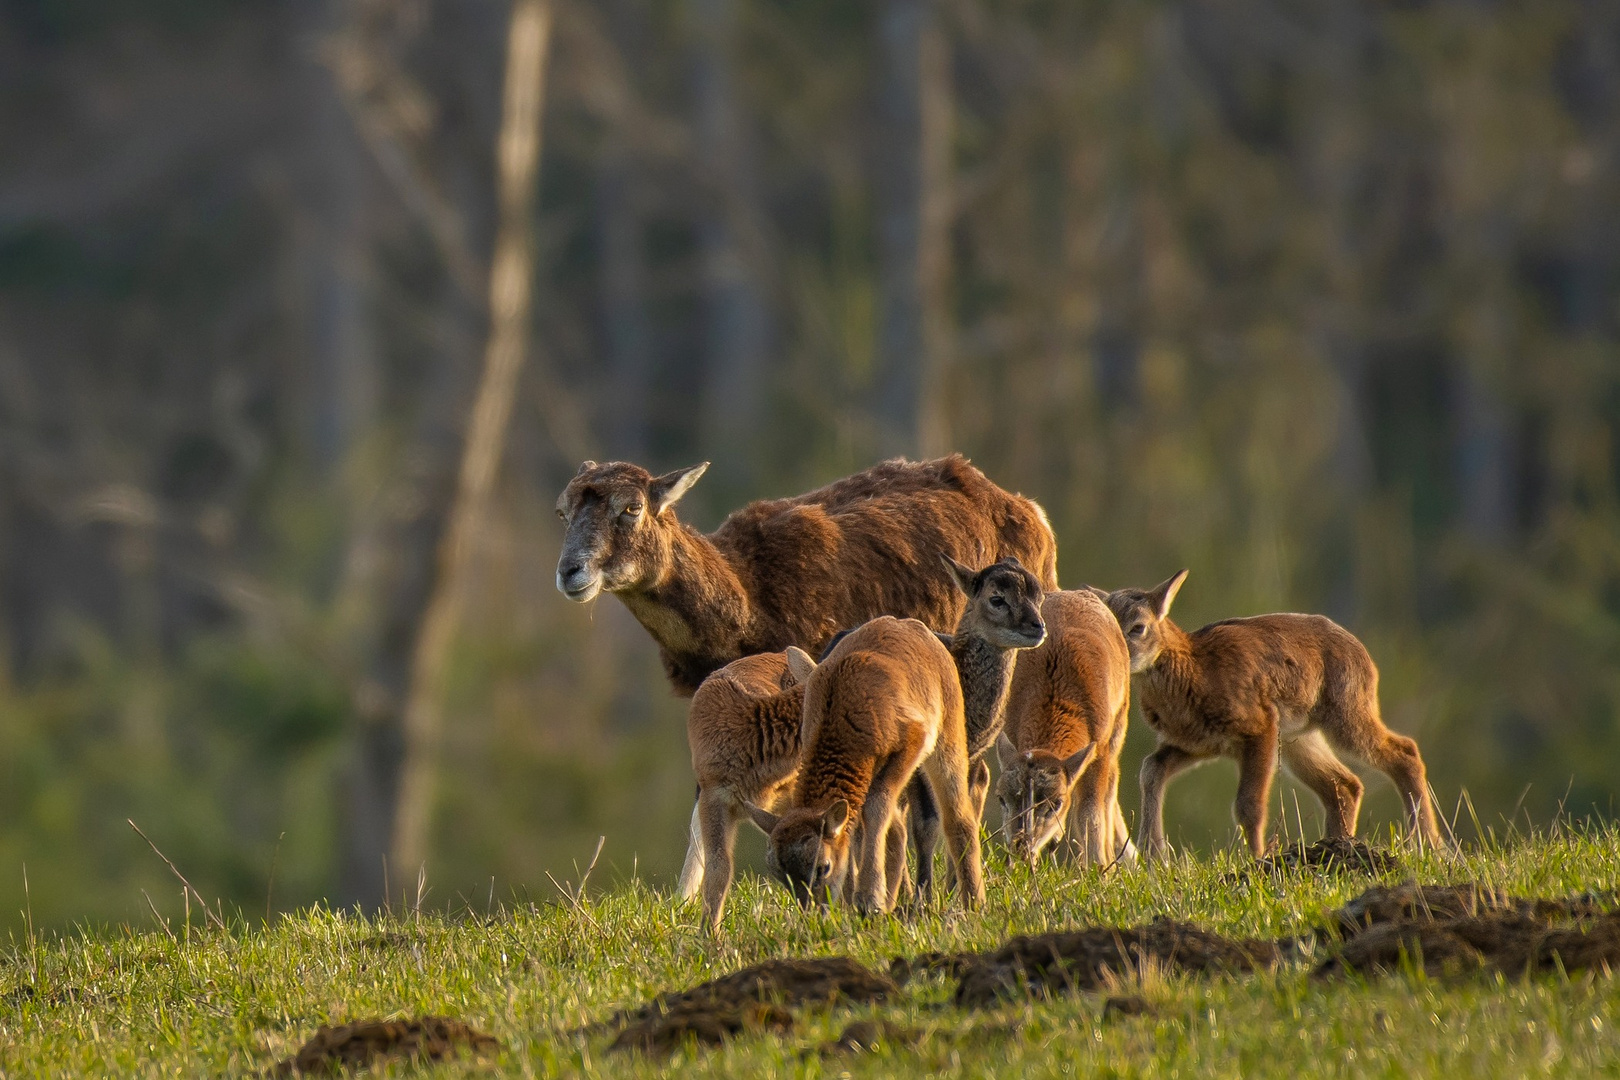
(1310, 759)
(947, 769)
(719, 823)
(692, 870)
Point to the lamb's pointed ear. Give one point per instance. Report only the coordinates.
(1076, 763)
(1006, 752)
(834, 820)
(799, 663)
(959, 574)
(1165, 593)
(762, 817)
(1101, 594)
(665, 491)
(585, 467)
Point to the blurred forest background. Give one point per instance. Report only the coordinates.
(1319, 298)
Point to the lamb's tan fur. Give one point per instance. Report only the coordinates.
(743, 731)
(1066, 717)
(1294, 686)
(887, 701)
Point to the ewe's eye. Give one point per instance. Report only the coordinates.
(562, 513)
(633, 510)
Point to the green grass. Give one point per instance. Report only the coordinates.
(148, 1002)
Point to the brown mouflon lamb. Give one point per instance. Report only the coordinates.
(789, 571)
(1297, 687)
(887, 701)
(743, 730)
(1067, 713)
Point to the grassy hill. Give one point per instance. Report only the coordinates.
(172, 1000)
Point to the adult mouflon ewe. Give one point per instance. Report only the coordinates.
(790, 571)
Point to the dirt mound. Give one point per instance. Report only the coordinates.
(357, 1045)
(1411, 902)
(1087, 959)
(753, 999)
(1452, 929)
(1330, 855)
(866, 1036)
(706, 1025)
(903, 969)
(1128, 1005)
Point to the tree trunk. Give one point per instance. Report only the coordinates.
(913, 191)
(623, 298)
(511, 286)
(733, 249)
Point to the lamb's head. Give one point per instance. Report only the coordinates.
(1141, 614)
(1035, 790)
(619, 526)
(1004, 603)
(808, 850)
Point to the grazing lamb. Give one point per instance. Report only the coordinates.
(789, 571)
(743, 729)
(886, 702)
(1297, 687)
(1067, 712)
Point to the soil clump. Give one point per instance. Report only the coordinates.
(705, 1025)
(338, 1048)
(867, 1036)
(1330, 854)
(1044, 964)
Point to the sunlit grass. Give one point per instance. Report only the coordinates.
(184, 1001)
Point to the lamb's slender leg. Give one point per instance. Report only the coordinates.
(1312, 761)
(923, 824)
(979, 788)
(692, 870)
(1157, 770)
(1397, 757)
(872, 891)
(1257, 765)
(719, 824)
(947, 769)
(895, 859)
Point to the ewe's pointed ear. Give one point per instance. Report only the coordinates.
(585, 467)
(762, 817)
(834, 820)
(665, 491)
(960, 574)
(1076, 763)
(1165, 594)
(1006, 752)
(800, 666)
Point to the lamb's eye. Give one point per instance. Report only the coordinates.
(562, 513)
(997, 602)
(1139, 629)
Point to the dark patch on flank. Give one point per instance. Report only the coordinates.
(1047, 964)
(358, 1045)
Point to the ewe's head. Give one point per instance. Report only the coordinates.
(1004, 603)
(1141, 614)
(808, 850)
(1035, 790)
(619, 523)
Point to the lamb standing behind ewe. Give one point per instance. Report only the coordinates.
(789, 571)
